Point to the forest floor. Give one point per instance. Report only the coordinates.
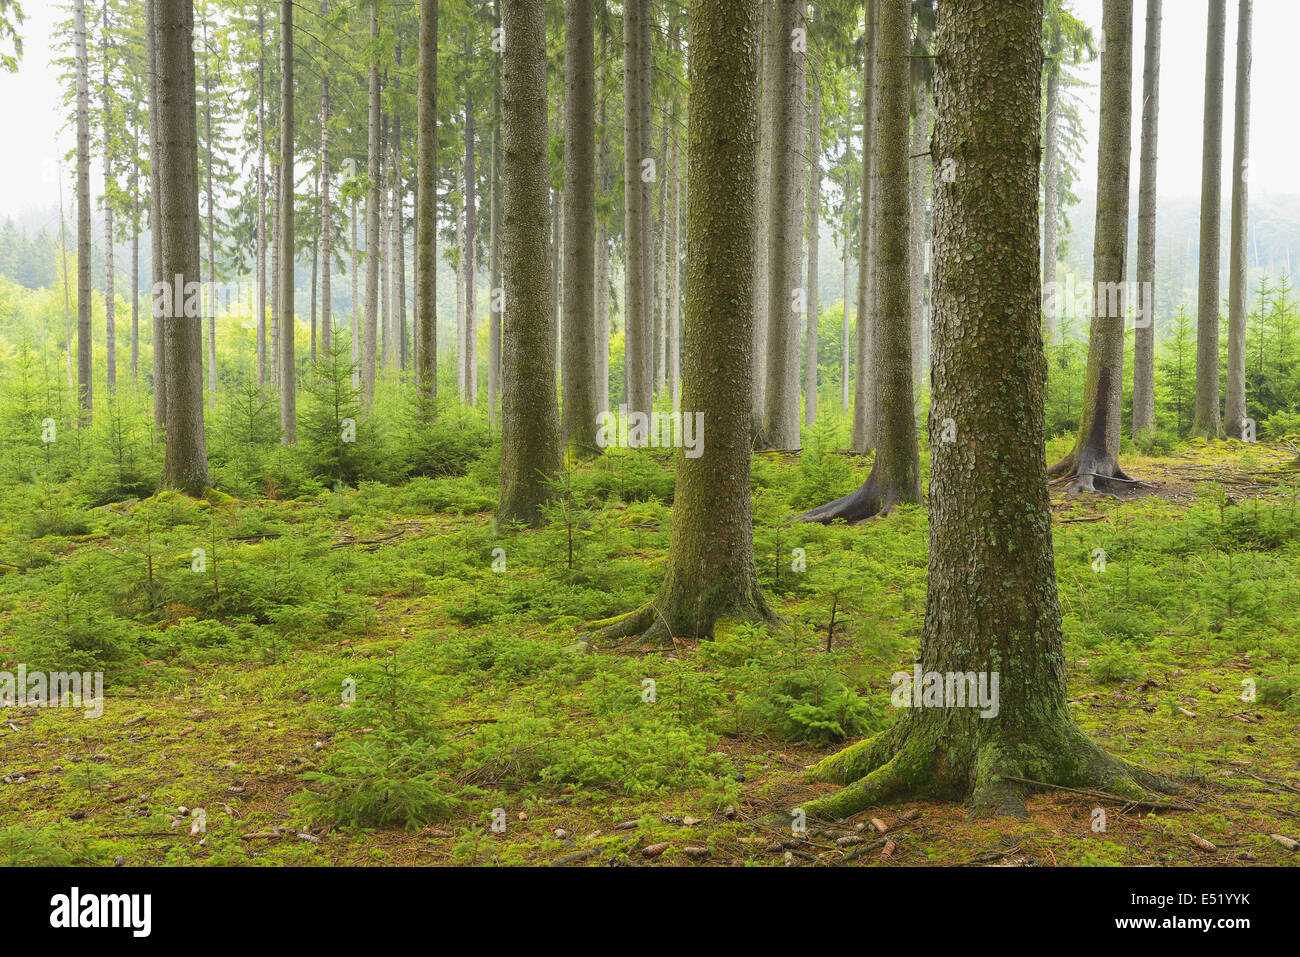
(378, 676)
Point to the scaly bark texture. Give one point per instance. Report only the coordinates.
(895, 475)
(711, 573)
(636, 148)
(1234, 410)
(1205, 421)
(426, 205)
(1144, 334)
(185, 462)
(1093, 464)
(580, 227)
(530, 420)
(812, 235)
(991, 603)
(785, 235)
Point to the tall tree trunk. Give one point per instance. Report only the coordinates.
(85, 348)
(711, 572)
(844, 332)
(315, 272)
(261, 195)
(661, 277)
(864, 387)
(530, 420)
(426, 209)
(636, 307)
(770, 52)
(398, 250)
(675, 275)
(372, 224)
(326, 208)
(110, 290)
(461, 367)
(1051, 188)
(813, 230)
(494, 237)
(785, 239)
(356, 303)
(601, 356)
(920, 174)
(1206, 422)
(387, 354)
(288, 383)
(63, 255)
(135, 253)
(470, 346)
(273, 347)
(185, 462)
(1094, 462)
(1234, 413)
(211, 227)
(896, 473)
(1144, 333)
(158, 276)
(992, 607)
(579, 366)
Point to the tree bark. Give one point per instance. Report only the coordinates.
(85, 347)
(110, 285)
(1093, 465)
(494, 237)
(864, 392)
(426, 210)
(261, 195)
(185, 462)
(157, 322)
(530, 421)
(469, 348)
(579, 367)
(785, 237)
(636, 148)
(371, 330)
(1206, 422)
(288, 382)
(711, 573)
(1234, 413)
(770, 53)
(921, 167)
(1144, 333)
(813, 230)
(895, 475)
(991, 604)
(1051, 187)
(326, 208)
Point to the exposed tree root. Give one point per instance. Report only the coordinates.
(867, 501)
(920, 759)
(655, 627)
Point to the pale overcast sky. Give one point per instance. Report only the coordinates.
(32, 115)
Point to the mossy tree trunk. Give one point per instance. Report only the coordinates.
(991, 605)
(1093, 463)
(711, 573)
(530, 419)
(896, 473)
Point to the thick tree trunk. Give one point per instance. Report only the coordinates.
(636, 148)
(864, 391)
(1206, 422)
(85, 348)
(601, 356)
(896, 473)
(579, 367)
(371, 331)
(785, 238)
(991, 608)
(675, 274)
(288, 381)
(1144, 333)
(770, 53)
(1093, 465)
(426, 209)
(530, 420)
(920, 164)
(813, 231)
(711, 573)
(1234, 412)
(1051, 187)
(185, 462)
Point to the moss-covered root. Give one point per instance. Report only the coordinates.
(657, 623)
(908, 762)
